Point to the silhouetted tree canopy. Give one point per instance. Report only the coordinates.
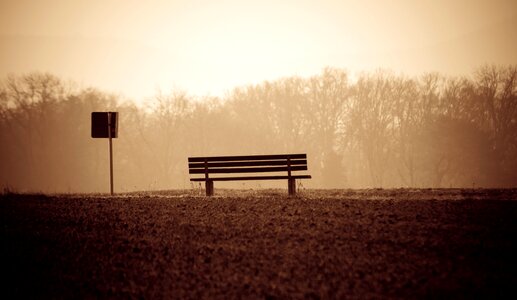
(381, 130)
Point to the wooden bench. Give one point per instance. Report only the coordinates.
(208, 166)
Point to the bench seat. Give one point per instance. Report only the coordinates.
(253, 178)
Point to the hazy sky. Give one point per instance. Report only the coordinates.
(208, 47)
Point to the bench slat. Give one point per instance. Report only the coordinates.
(246, 164)
(252, 178)
(248, 157)
(247, 170)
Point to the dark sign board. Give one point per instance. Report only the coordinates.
(101, 122)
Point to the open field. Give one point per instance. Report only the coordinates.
(261, 244)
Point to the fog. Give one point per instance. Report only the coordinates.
(380, 130)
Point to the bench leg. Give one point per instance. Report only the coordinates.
(291, 185)
(209, 187)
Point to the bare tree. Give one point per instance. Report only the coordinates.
(405, 124)
(370, 121)
(329, 96)
(169, 115)
(496, 89)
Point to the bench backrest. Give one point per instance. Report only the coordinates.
(248, 164)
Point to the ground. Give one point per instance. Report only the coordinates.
(403, 243)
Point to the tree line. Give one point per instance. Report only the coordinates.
(378, 130)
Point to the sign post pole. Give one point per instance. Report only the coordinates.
(105, 125)
(111, 153)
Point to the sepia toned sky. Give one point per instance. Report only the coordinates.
(137, 48)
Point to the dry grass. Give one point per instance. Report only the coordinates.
(261, 244)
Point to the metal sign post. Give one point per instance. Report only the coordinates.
(111, 153)
(105, 125)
